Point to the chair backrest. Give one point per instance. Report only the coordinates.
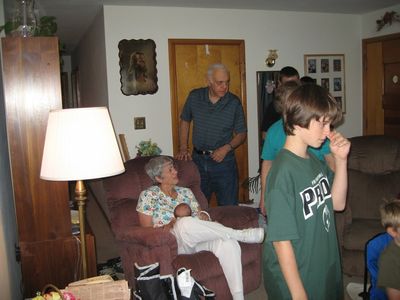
(374, 174)
(373, 250)
(122, 191)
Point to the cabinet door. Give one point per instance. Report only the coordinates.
(32, 87)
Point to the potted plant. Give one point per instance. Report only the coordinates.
(147, 148)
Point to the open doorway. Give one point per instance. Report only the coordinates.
(381, 85)
(189, 60)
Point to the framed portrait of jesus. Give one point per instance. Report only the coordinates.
(138, 72)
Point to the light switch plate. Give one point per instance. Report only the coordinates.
(140, 122)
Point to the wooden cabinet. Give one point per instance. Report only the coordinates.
(31, 79)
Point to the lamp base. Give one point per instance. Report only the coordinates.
(80, 197)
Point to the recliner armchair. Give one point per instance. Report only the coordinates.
(148, 245)
(374, 175)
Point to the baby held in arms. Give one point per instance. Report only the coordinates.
(184, 210)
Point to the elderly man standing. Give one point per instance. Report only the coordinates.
(219, 127)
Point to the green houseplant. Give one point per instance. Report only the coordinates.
(147, 148)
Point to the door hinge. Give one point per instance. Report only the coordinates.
(17, 253)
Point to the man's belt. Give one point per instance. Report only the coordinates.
(203, 152)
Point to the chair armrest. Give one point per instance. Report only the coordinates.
(146, 245)
(122, 213)
(238, 217)
(147, 236)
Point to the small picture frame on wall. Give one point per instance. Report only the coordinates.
(328, 71)
(137, 60)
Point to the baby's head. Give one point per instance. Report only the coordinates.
(390, 218)
(182, 210)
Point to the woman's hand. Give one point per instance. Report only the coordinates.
(169, 225)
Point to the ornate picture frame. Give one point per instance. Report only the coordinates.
(137, 60)
(328, 70)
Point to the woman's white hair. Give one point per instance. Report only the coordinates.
(155, 166)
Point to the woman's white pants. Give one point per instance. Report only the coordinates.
(194, 235)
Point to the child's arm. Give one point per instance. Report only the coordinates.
(265, 167)
(288, 264)
(393, 294)
(340, 147)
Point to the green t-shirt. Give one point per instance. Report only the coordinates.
(389, 267)
(300, 209)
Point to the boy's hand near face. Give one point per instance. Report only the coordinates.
(340, 146)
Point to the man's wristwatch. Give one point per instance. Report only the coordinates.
(230, 145)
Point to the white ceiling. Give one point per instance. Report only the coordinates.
(74, 16)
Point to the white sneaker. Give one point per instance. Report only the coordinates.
(251, 235)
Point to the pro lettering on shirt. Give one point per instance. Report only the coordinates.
(315, 195)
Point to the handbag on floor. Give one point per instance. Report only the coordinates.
(150, 285)
(189, 288)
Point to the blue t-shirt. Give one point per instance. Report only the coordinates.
(276, 138)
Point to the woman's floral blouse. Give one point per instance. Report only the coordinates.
(153, 202)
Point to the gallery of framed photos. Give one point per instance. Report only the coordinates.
(328, 71)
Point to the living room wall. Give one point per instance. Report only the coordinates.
(292, 33)
(368, 24)
(90, 59)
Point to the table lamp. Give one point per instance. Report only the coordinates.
(80, 144)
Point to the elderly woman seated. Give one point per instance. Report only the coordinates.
(196, 232)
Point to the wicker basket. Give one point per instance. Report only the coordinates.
(53, 288)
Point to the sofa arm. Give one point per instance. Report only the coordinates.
(146, 245)
(147, 236)
(122, 213)
(238, 217)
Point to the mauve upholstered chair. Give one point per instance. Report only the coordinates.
(148, 245)
(374, 176)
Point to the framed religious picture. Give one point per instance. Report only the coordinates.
(137, 61)
(328, 71)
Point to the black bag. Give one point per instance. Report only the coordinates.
(150, 285)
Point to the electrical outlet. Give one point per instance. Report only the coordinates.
(140, 123)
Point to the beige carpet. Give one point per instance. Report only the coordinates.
(355, 284)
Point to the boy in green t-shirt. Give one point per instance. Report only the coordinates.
(389, 261)
(301, 254)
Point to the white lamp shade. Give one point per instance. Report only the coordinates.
(80, 144)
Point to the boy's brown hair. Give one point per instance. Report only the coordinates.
(308, 102)
(390, 214)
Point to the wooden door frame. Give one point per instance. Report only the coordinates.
(172, 43)
(365, 42)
